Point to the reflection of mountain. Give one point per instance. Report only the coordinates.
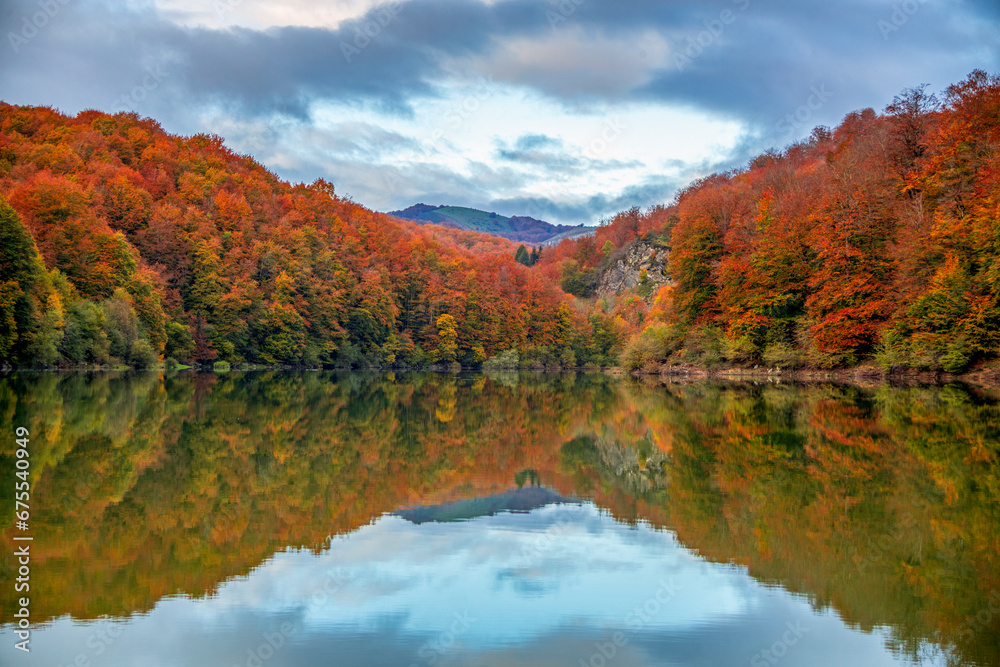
(515, 500)
(882, 505)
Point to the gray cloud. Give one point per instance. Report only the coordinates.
(540, 151)
(551, 156)
(757, 63)
(361, 141)
(572, 209)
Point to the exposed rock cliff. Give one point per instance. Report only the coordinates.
(638, 468)
(627, 272)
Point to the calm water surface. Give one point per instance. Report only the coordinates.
(282, 519)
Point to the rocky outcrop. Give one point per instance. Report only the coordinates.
(627, 272)
(638, 468)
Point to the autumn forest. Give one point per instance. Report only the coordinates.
(874, 242)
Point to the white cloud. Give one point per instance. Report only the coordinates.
(263, 14)
(448, 148)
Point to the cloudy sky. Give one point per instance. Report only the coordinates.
(567, 110)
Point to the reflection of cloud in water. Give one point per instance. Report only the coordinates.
(543, 588)
(528, 581)
(589, 569)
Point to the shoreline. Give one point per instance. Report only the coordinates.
(862, 375)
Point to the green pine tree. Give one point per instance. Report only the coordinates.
(522, 255)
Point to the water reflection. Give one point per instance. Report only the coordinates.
(381, 518)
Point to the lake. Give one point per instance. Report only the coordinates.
(294, 519)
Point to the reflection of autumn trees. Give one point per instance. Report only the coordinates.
(146, 486)
(882, 504)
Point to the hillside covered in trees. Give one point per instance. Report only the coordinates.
(123, 244)
(873, 242)
(876, 241)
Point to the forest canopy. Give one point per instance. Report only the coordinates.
(877, 241)
(124, 244)
(873, 242)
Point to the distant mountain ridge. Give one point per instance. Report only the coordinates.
(523, 229)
